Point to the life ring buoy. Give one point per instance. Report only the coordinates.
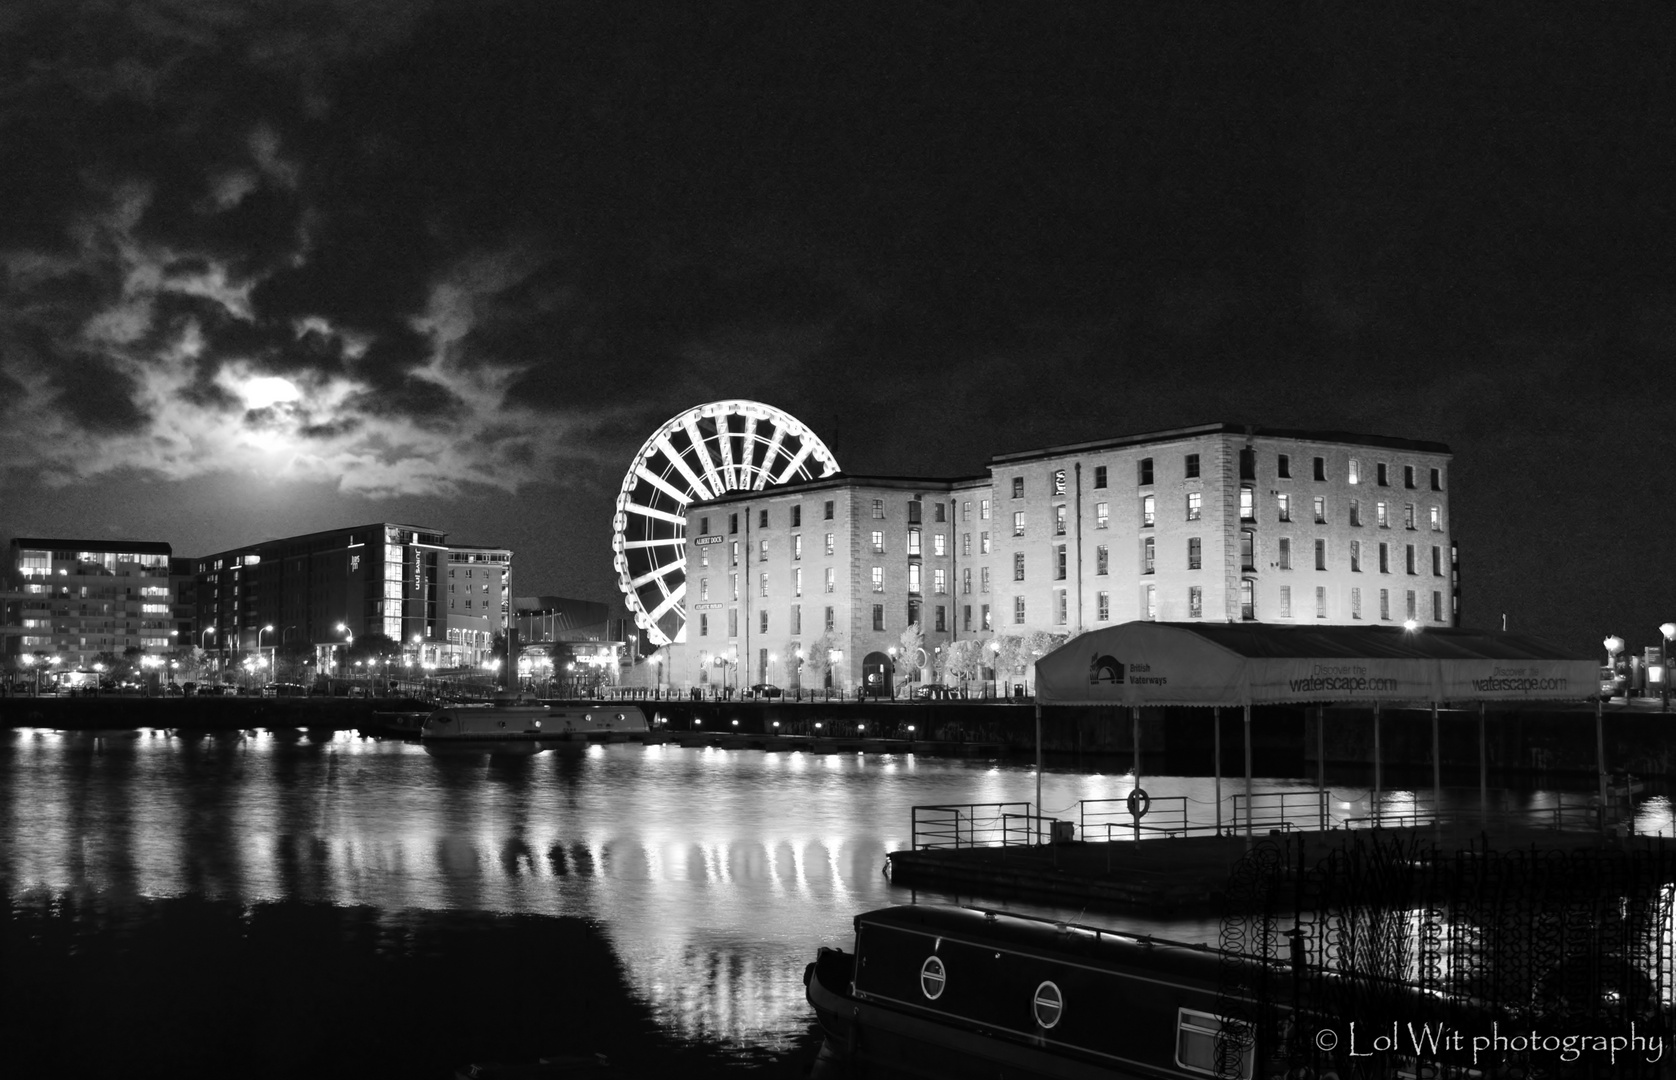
(1139, 802)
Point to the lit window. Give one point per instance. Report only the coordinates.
(1059, 520)
(913, 578)
(762, 585)
(1355, 471)
(1102, 606)
(878, 542)
(983, 510)
(1248, 505)
(1149, 506)
(878, 579)
(1059, 563)
(913, 542)
(1018, 522)
(1437, 519)
(983, 579)
(762, 551)
(797, 547)
(1248, 599)
(829, 543)
(939, 544)
(1286, 601)
(1195, 505)
(1284, 500)
(1380, 517)
(1149, 552)
(983, 543)
(939, 580)
(1408, 517)
(703, 588)
(1018, 566)
(831, 586)
(797, 581)
(1320, 510)
(965, 544)
(1102, 515)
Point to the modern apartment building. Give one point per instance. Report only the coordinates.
(371, 579)
(479, 600)
(1216, 522)
(75, 599)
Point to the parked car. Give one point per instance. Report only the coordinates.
(935, 692)
(285, 689)
(766, 690)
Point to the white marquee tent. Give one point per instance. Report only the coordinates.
(1238, 665)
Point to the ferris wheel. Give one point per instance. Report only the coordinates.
(699, 454)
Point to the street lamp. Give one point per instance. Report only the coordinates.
(266, 630)
(1614, 645)
(1669, 631)
(348, 642)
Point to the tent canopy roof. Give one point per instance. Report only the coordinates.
(1151, 663)
(1267, 640)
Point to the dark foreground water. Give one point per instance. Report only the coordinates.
(295, 904)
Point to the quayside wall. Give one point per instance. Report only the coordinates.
(1175, 741)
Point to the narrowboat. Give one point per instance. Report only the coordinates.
(957, 992)
(526, 720)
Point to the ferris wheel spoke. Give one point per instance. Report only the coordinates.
(681, 498)
(700, 489)
(748, 454)
(724, 441)
(658, 574)
(763, 474)
(662, 541)
(796, 462)
(670, 602)
(660, 515)
(717, 486)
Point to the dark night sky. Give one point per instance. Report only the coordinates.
(489, 247)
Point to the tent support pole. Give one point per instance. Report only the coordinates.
(1248, 771)
(1321, 765)
(1377, 778)
(1216, 748)
(1038, 770)
(1135, 738)
(1437, 776)
(1483, 772)
(1600, 760)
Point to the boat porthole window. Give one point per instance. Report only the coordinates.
(503, 723)
(1049, 1005)
(932, 977)
(619, 716)
(588, 717)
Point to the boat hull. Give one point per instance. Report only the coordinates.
(1117, 1007)
(531, 723)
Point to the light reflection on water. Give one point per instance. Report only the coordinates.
(714, 873)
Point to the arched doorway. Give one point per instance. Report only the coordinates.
(877, 673)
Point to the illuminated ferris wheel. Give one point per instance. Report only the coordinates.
(699, 454)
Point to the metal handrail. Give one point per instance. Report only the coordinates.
(958, 825)
(1283, 807)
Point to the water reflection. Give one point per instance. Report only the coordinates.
(712, 874)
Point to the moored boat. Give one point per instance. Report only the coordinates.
(955, 992)
(525, 720)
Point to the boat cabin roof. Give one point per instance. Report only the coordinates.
(1088, 944)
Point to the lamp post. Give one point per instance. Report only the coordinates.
(259, 633)
(28, 661)
(892, 654)
(1615, 645)
(203, 639)
(995, 664)
(348, 641)
(1669, 631)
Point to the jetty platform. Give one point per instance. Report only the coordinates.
(1184, 873)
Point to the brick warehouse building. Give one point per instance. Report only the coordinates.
(1216, 522)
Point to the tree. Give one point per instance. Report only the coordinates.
(817, 659)
(964, 660)
(908, 647)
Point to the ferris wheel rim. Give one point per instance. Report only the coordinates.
(681, 483)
